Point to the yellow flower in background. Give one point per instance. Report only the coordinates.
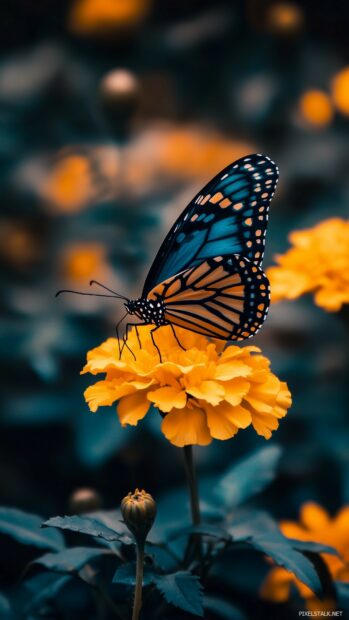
(318, 526)
(98, 17)
(202, 393)
(340, 90)
(316, 108)
(317, 263)
(69, 185)
(84, 261)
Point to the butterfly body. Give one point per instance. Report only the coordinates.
(149, 311)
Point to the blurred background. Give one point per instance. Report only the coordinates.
(113, 114)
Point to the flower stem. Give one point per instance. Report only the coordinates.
(192, 483)
(137, 603)
(194, 547)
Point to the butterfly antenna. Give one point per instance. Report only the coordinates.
(88, 294)
(108, 289)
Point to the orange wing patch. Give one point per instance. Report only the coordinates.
(219, 298)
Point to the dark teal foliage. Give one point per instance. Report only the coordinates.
(168, 569)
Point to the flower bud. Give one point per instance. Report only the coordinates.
(119, 96)
(84, 500)
(139, 511)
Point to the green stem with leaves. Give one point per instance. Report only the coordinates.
(137, 602)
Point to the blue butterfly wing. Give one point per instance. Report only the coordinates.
(228, 216)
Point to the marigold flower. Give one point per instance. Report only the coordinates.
(318, 262)
(202, 393)
(318, 526)
(100, 17)
(316, 108)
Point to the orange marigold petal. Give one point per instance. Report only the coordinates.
(209, 391)
(133, 408)
(168, 398)
(235, 390)
(277, 586)
(313, 516)
(188, 426)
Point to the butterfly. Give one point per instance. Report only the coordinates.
(207, 275)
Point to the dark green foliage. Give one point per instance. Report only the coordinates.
(261, 532)
(168, 568)
(5, 608)
(248, 477)
(182, 590)
(70, 560)
(26, 529)
(222, 609)
(87, 525)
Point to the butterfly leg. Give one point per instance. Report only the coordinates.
(176, 337)
(137, 333)
(154, 343)
(118, 335)
(128, 325)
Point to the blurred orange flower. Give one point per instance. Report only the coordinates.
(340, 90)
(84, 261)
(202, 393)
(318, 262)
(316, 108)
(69, 185)
(318, 526)
(165, 153)
(105, 16)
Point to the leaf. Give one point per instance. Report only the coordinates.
(248, 477)
(312, 547)
(182, 590)
(25, 528)
(99, 437)
(70, 560)
(126, 574)
(6, 612)
(261, 532)
(342, 595)
(85, 525)
(222, 608)
(212, 531)
(113, 520)
(44, 588)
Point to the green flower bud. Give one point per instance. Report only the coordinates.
(139, 511)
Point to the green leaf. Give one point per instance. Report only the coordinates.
(213, 531)
(44, 588)
(312, 547)
(70, 560)
(182, 590)
(222, 608)
(6, 612)
(342, 590)
(25, 528)
(126, 574)
(261, 532)
(248, 477)
(86, 525)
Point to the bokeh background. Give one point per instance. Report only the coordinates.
(113, 113)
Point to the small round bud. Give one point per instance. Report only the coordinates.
(139, 511)
(84, 500)
(120, 86)
(285, 18)
(119, 95)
